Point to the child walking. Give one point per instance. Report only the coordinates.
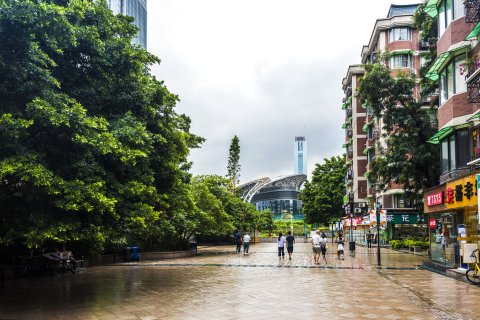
(340, 248)
(281, 245)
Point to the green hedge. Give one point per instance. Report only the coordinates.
(409, 242)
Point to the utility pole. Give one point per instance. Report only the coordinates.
(377, 211)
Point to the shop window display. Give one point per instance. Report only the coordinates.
(443, 239)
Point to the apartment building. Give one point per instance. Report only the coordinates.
(365, 138)
(453, 205)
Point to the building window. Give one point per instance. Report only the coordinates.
(401, 61)
(398, 34)
(452, 78)
(455, 151)
(447, 11)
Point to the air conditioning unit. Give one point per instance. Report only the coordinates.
(357, 210)
(362, 204)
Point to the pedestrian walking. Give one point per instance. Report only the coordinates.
(323, 246)
(238, 241)
(340, 250)
(246, 244)
(369, 239)
(281, 245)
(290, 241)
(316, 247)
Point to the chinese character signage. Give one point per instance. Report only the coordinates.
(462, 192)
(432, 223)
(434, 199)
(403, 218)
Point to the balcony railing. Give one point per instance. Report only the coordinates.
(472, 11)
(457, 173)
(350, 154)
(473, 91)
(349, 133)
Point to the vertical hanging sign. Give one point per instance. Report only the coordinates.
(478, 199)
(383, 217)
(373, 217)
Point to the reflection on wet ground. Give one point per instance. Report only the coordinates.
(219, 284)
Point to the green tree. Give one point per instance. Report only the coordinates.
(428, 35)
(408, 159)
(91, 148)
(322, 197)
(233, 167)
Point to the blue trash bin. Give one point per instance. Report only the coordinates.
(132, 254)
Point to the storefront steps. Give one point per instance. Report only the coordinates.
(457, 274)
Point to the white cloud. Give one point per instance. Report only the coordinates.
(265, 70)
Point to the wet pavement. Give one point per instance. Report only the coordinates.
(220, 284)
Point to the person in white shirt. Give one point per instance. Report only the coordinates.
(281, 245)
(246, 244)
(316, 247)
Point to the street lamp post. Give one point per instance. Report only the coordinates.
(377, 212)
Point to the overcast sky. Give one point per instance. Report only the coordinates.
(264, 70)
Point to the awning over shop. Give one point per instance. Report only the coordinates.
(441, 59)
(474, 33)
(431, 8)
(442, 133)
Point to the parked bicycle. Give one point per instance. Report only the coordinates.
(473, 274)
(48, 261)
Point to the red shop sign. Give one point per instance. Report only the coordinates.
(432, 223)
(434, 199)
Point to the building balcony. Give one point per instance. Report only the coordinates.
(473, 85)
(472, 11)
(349, 111)
(454, 174)
(350, 154)
(349, 133)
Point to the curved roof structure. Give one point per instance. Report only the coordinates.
(249, 189)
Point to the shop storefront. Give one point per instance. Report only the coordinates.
(452, 219)
(403, 224)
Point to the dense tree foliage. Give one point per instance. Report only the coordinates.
(407, 158)
(233, 167)
(91, 148)
(428, 35)
(323, 196)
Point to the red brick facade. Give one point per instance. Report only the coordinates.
(455, 33)
(456, 106)
(361, 146)
(362, 189)
(362, 167)
(360, 124)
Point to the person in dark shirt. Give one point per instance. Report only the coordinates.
(238, 241)
(290, 241)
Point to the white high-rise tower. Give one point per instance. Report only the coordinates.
(300, 155)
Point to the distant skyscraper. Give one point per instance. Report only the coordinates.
(300, 155)
(136, 9)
